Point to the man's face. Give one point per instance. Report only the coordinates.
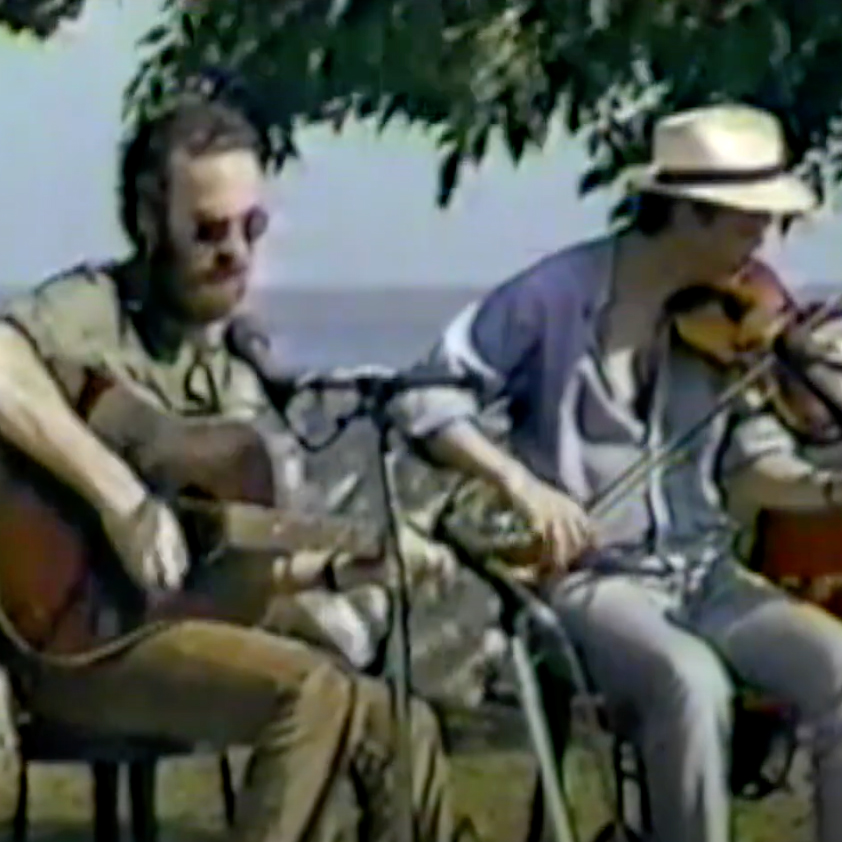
(719, 240)
(215, 217)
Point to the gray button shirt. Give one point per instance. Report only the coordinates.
(532, 342)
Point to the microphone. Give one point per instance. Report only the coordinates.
(247, 340)
(371, 379)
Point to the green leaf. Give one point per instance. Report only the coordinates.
(395, 105)
(338, 11)
(365, 107)
(479, 141)
(573, 111)
(517, 136)
(188, 28)
(449, 176)
(596, 177)
(156, 91)
(155, 36)
(622, 210)
(132, 90)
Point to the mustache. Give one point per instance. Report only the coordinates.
(165, 262)
(228, 272)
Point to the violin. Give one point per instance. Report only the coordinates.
(736, 322)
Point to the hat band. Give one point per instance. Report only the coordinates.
(692, 178)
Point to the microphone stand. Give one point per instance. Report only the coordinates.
(375, 392)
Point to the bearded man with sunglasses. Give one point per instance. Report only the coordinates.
(192, 198)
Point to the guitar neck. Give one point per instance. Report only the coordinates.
(253, 528)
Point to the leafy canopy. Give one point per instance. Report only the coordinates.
(39, 18)
(465, 69)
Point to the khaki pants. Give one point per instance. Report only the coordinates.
(323, 738)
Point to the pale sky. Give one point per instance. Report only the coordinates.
(358, 210)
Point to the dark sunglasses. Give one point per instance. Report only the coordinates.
(211, 231)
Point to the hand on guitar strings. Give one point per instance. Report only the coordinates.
(150, 544)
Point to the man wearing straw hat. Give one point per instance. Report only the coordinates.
(577, 349)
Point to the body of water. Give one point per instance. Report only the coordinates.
(321, 329)
(352, 327)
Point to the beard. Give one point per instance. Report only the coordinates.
(192, 297)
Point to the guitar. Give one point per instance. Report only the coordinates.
(800, 551)
(63, 591)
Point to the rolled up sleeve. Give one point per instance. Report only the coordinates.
(37, 318)
(754, 435)
(67, 320)
(66, 316)
(494, 341)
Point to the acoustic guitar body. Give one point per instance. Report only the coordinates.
(61, 585)
(803, 552)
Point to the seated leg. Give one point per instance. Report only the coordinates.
(106, 794)
(670, 688)
(323, 738)
(792, 651)
(20, 822)
(142, 795)
(229, 797)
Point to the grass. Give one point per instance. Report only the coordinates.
(783, 817)
(494, 788)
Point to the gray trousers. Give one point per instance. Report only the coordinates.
(660, 660)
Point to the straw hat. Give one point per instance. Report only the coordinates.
(731, 155)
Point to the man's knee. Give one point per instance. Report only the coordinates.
(828, 698)
(693, 689)
(324, 699)
(819, 691)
